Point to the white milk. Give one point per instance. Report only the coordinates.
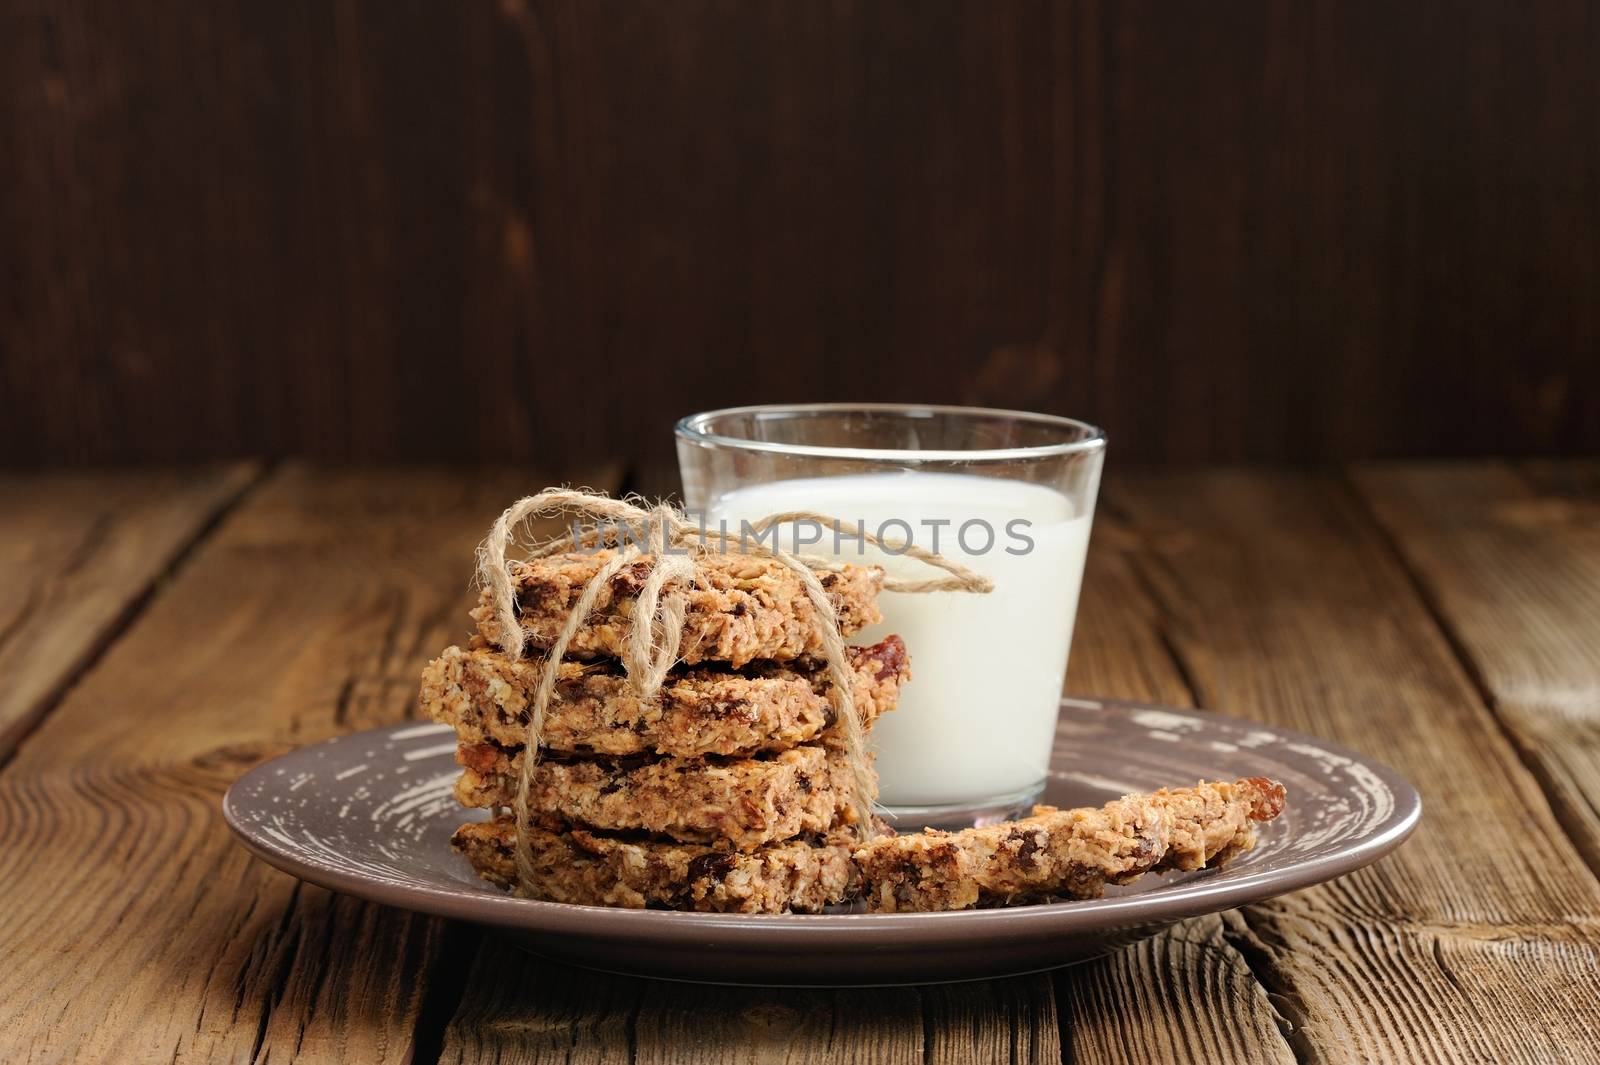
(978, 719)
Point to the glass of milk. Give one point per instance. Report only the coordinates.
(1006, 493)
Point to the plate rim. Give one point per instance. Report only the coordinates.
(1192, 898)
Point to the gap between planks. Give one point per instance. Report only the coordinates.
(197, 949)
(1371, 499)
(1276, 566)
(1473, 671)
(236, 482)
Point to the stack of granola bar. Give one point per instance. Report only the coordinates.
(727, 790)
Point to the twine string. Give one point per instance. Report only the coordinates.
(677, 546)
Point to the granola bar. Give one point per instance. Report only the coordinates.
(585, 868)
(703, 711)
(1070, 853)
(745, 801)
(743, 608)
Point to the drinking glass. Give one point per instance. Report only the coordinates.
(1006, 493)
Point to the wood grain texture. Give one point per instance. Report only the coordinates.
(140, 932)
(1510, 558)
(520, 1009)
(78, 554)
(136, 929)
(727, 1026)
(1480, 939)
(516, 1009)
(363, 229)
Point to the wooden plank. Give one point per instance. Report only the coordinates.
(1186, 995)
(1479, 940)
(999, 1020)
(1233, 231)
(135, 928)
(1012, 1020)
(1510, 560)
(517, 1008)
(78, 553)
(728, 1026)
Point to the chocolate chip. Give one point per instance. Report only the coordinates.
(713, 865)
(1027, 847)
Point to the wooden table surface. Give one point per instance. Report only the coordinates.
(162, 631)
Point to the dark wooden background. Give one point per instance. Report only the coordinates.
(395, 230)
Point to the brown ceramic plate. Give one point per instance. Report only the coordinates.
(371, 814)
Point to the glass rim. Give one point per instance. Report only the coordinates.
(1091, 437)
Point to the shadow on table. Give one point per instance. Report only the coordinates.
(515, 1006)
